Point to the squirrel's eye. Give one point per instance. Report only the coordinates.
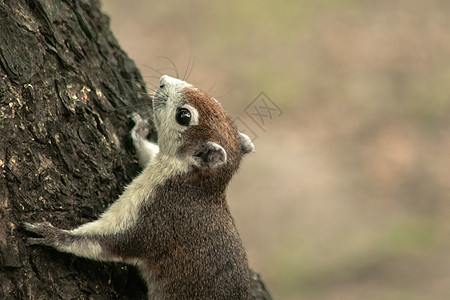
(183, 116)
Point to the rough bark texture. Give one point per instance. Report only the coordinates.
(66, 88)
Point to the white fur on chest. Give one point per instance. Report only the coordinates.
(123, 213)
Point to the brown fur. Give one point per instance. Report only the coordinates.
(196, 251)
(214, 125)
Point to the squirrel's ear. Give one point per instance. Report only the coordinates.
(210, 155)
(246, 143)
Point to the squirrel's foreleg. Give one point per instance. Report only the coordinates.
(65, 241)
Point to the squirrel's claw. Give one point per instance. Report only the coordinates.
(38, 228)
(141, 129)
(47, 231)
(35, 241)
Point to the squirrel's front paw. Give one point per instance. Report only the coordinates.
(48, 232)
(141, 129)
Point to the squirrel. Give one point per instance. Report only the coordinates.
(172, 221)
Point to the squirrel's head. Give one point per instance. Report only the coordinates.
(193, 128)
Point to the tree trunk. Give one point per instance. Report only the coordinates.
(66, 89)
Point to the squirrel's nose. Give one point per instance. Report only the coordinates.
(163, 81)
(167, 80)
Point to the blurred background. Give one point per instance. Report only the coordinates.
(347, 194)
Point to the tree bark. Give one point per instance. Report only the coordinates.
(66, 89)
